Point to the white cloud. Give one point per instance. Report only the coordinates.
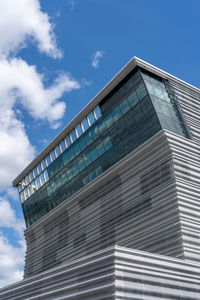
(11, 262)
(12, 193)
(8, 218)
(11, 257)
(22, 21)
(21, 82)
(96, 58)
(15, 151)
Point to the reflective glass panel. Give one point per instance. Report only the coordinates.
(43, 163)
(52, 155)
(57, 151)
(35, 172)
(46, 176)
(27, 180)
(41, 177)
(31, 176)
(48, 161)
(62, 146)
(91, 118)
(85, 124)
(97, 113)
(68, 141)
(79, 130)
(73, 135)
(39, 168)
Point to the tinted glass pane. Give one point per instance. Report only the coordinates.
(124, 106)
(34, 187)
(85, 124)
(46, 176)
(35, 172)
(37, 182)
(97, 112)
(79, 130)
(141, 90)
(133, 99)
(82, 143)
(43, 163)
(39, 168)
(73, 135)
(116, 114)
(52, 155)
(87, 159)
(57, 150)
(91, 118)
(27, 180)
(62, 146)
(100, 149)
(68, 141)
(41, 177)
(65, 157)
(48, 161)
(94, 154)
(31, 176)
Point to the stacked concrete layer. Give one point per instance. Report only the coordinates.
(90, 278)
(141, 275)
(113, 273)
(133, 204)
(186, 159)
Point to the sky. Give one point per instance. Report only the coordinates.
(55, 56)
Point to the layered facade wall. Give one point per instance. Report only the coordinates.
(113, 273)
(186, 160)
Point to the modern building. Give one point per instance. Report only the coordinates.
(112, 203)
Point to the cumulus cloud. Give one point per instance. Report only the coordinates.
(21, 82)
(11, 257)
(8, 218)
(15, 151)
(11, 262)
(22, 21)
(96, 58)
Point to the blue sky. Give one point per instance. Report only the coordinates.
(55, 56)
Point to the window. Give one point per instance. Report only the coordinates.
(39, 168)
(85, 124)
(52, 155)
(73, 135)
(68, 141)
(43, 163)
(57, 151)
(62, 146)
(91, 118)
(97, 113)
(79, 130)
(48, 161)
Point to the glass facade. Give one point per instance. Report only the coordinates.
(125, 119)
(39, 175)
(165, 104)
